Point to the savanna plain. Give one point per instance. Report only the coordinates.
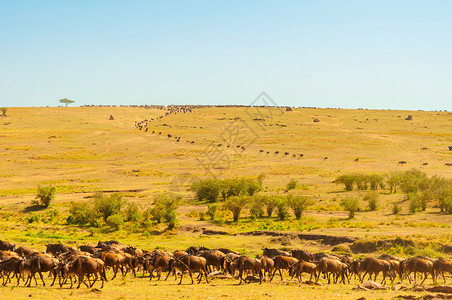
(85, 151)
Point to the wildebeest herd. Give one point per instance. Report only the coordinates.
(89, 263)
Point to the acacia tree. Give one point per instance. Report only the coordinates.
(3, 110)
(66, 101)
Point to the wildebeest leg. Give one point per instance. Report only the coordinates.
(273, 274)
(54, 276)
(364, 276)
(81, 276)
(42, 279)
(205, 273)
(181, 276)
(94, 281)
(425, 277)
(115, 270)
(280, 274)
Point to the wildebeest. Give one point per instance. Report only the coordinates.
(441, 265)
(9, 266)
(415, 265)
(191, 264)
(213, 258)
(402, 162)
(283, 262)
(272, 252)
(87, 266)
(372, 265)
(303, 267)
(302, 255)
(24, 251)
(57, 249)
(249, 263)
(37, 264)
(329, 266)
(4, 245)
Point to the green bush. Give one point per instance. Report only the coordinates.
(82, 213)
(235, 205)
(107, 206)
(133, 212)
(396, 208)
(257, 208)
(281, 205)
(375, 181)
(270, 203)
(45, 195)
(393, 180)
(212, 211)
(115, 221)
(291, 185)
(298, 204)
(351, 205)
(373, 199)
(414, 203)
(32, 218)
(207, 190)
(347, 180)
(164, 209)
(3, 110)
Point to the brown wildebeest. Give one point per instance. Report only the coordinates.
(267, 266)
(192, 250)
(329, 266)
(87, 266)
(375, 266)
(4, 245)
(272, 252)
(114, 260)
(302, 255)
(8, 266)
(191, 264)
(415, 265)
(356, 268)
(24, 251)
(303, 267)
(38, 264)
(442, 265)
(5, 254)
(130, 263)
(213, 258)
(226, 251)
(283, 262)
(135, 252)
(179, 253)
(158, 261)
(244, 263)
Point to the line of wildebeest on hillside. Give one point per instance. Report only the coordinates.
(144, 125)
(88, 263)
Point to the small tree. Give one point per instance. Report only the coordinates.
(394, 179)
(270, 203)
(351, 205)
(281, 205)
(347, 180)
(107, 206)
(164, 210)
(257, 207)
(235, 205)
(66, 101)
(291, 185)
(3, 110)
(207, 190)
(372, 199)
(396, 208)
(45, 195)
(298, 204)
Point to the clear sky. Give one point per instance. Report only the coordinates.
(372, 54)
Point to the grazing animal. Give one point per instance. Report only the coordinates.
(4, 245)
(375, 266)
(329, 266)
(283, 262)
(272, 252)
(302, 255)
(191, 264)
(303, 267)
(402, 162)
(440, 266)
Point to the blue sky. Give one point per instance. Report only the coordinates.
(349, 54)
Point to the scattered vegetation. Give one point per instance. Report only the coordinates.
(45, 195)
(351, 205)
(373, 200)
(291, 185)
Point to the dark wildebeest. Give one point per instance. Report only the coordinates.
(272, 252)
(114, 260)
(24, 251)
(8, 266)
(37, 264)
(57, 249)
(4, 245)
(402, 162)
(267, 266)
(88, 248)
(302, 255)
(283, 262)
(249, 263)
(213, 258)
